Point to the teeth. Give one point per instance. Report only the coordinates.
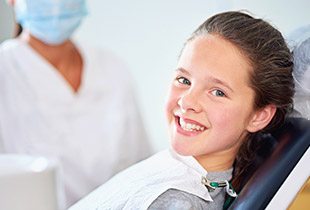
(190, 126)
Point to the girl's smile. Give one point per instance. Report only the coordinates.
(188, 127)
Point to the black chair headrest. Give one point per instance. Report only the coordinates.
(279, 154)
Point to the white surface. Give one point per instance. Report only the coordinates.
(11, 165)
(27, 183)
(292, 184)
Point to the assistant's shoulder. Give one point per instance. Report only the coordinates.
(8, 50)
(9, 45)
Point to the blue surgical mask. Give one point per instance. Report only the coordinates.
(51, 21)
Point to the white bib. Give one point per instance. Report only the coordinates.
(138, 186)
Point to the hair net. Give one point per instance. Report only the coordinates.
(298, 35)
(301, 75)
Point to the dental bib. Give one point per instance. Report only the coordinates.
(138, 186)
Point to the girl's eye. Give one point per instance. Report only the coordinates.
(183, 80)
(218, 93)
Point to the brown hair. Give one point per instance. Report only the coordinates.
(271, 78)
(18, 30)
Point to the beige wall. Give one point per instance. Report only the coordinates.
(302, 200)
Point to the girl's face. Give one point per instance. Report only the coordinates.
(210, 104)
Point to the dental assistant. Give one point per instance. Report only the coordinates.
(67, 101)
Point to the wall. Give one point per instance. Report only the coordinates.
(6, 21)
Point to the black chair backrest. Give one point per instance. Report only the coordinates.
(286, 145)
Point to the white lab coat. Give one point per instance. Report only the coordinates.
(138, 186)
(93, 133)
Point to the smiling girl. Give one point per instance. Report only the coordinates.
(233, 80)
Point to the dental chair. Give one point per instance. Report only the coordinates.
(281, 168)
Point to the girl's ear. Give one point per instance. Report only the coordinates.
(261, 118)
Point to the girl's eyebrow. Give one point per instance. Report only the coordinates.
(210, 79)
(184, 71)
(221, 82)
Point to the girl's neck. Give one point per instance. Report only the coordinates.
(219, 161)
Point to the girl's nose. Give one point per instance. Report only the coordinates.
(189, 102)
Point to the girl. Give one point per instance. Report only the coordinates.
(233, 80)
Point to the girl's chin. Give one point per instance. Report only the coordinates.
(180, 149)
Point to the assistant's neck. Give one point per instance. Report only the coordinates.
(55, 54)
(65, 58)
